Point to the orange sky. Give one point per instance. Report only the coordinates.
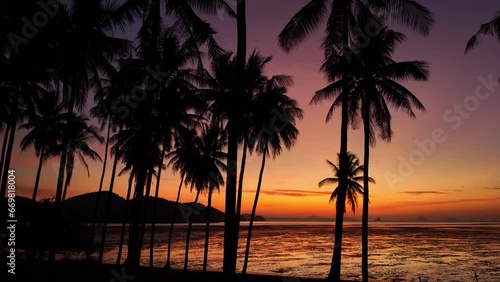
(455, 177)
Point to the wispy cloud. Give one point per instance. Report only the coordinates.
(444, 202)
(493, 188)
(423, 192)
(293, 193)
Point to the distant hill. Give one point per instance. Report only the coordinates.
(246, 217)
(81, 208)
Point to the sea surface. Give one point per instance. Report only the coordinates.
(397, 251)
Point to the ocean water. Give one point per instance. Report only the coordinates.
(397, 251)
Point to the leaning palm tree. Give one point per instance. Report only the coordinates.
(490, 28)
(353, 178)
(340, 24)
(274, 117)
(45, 125)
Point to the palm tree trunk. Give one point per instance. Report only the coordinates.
(254, 209)
(106, 211)
(4, 147)
(59, 190)
(366, 199)
(155, 205)
(38, 173)
(134, 251)
(334, 274)
(172, 221)
(98, 200)
(124, 220)
(190, 225)
(66, 184)
(231, 232)
(240, 183)
(145, 208)
(207, 229)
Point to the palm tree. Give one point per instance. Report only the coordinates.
(181, 159)
(490, 28)
(86, 53)
(116, 151)
(45, 127)
(78, 134)
(176, 101)
(353, 187)
(375, 87)
(372, 73)
(212, 164)
(274, 116)
(341, 22)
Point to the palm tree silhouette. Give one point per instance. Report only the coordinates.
(213, 165)
(78, 134)
(46, 126)
(353, 177)
(490, 28)
(181, 159)
(375, 87)
(177, 100)
(341, 22)
(274, 116)
(372, 75)
(86, 52)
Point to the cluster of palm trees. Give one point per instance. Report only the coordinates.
(155, 99)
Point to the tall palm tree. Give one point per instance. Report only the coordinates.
(490, 28)
(116, 151)
(340, 23)
(212, 164)
(181, 159)
(376, 87)
(275, 115)
(86, 53)
(176, 102)
(372, 72)
(354, 177)
(45, 127)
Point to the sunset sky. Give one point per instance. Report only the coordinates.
(442, 165)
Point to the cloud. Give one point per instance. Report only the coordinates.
(493, 188)
(423, 192)
(294, 193)
(444, 202)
